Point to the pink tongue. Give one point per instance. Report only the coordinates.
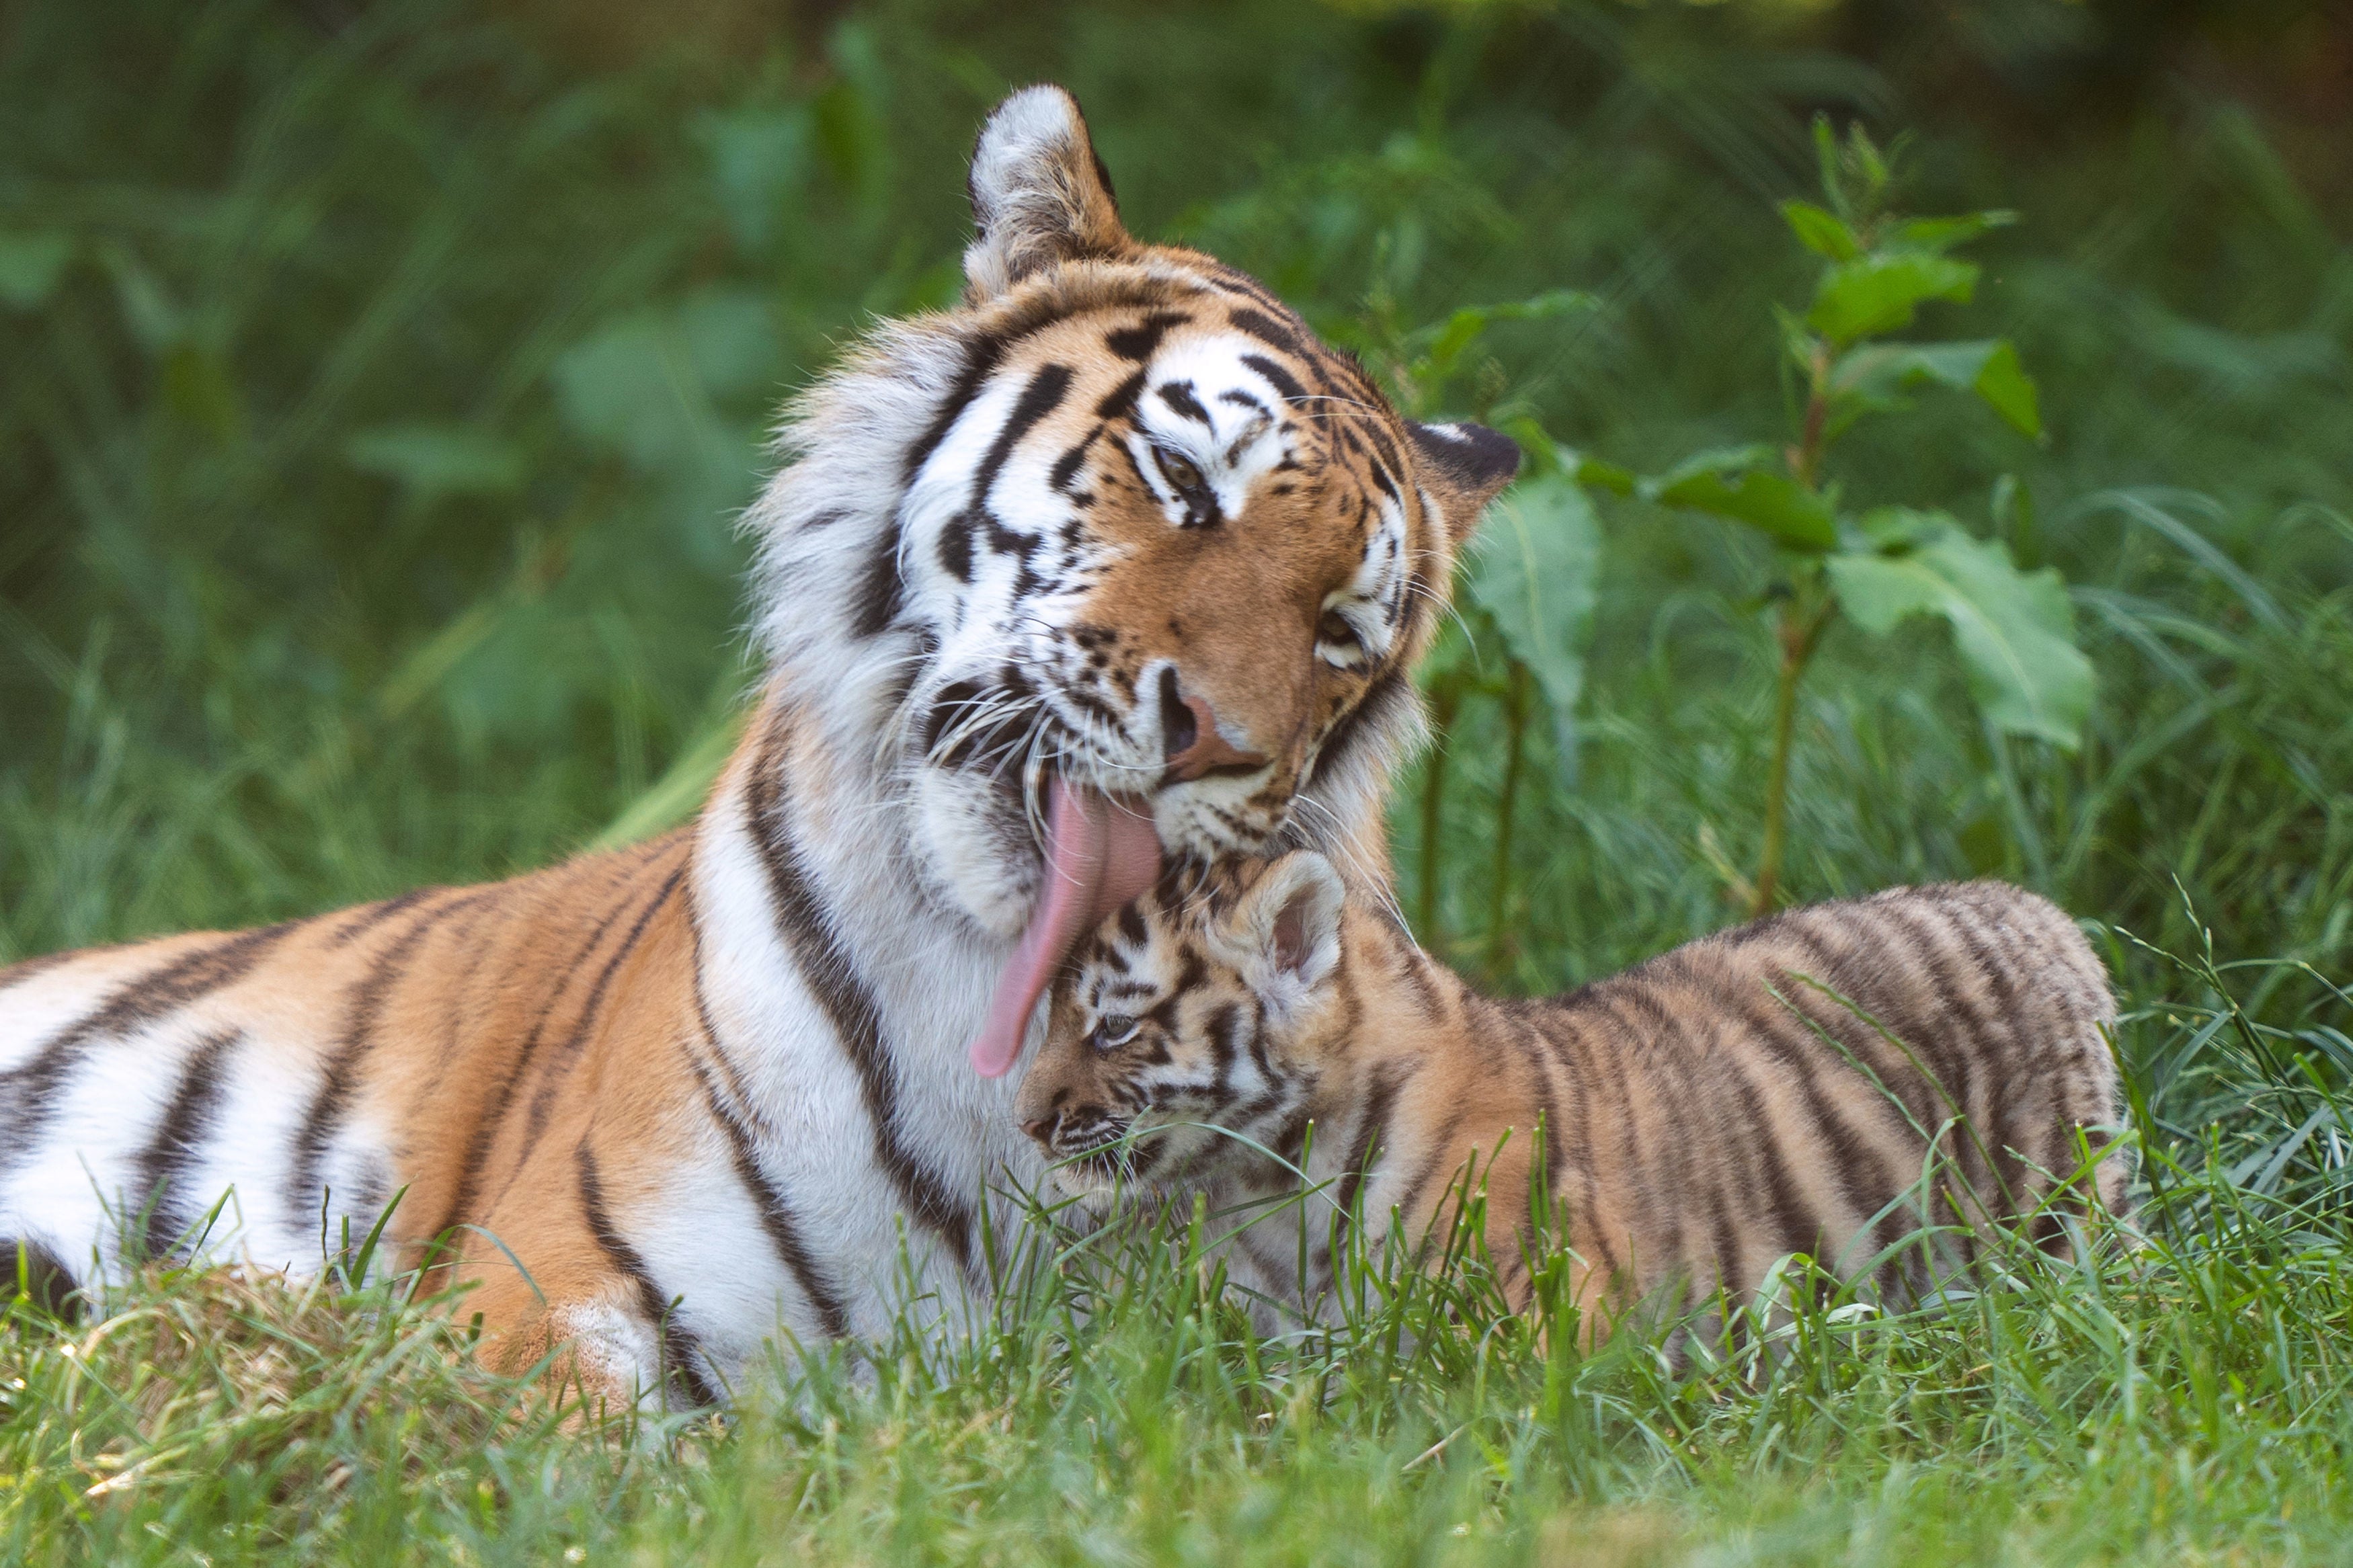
(1099, 854)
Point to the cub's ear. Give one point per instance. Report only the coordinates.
(1468, 465)
(1040, 194)
(1283, 935)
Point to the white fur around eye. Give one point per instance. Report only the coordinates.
(1348, 651)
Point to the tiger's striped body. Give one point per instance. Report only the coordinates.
(1702, 1115)
(1119, 533)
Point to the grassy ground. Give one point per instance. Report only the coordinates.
(379, 380)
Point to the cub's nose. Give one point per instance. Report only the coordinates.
(1038, 1127)
(1189, 742)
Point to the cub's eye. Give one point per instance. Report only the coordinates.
(1114, 1030)
(1181, 472)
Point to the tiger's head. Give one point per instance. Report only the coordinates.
(1189, 1036)
(1116, 561)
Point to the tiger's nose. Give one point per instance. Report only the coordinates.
(1189, 741)
(1037, 1127)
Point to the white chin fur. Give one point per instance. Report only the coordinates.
(972, 853)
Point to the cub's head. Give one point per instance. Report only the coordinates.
(1220, 1001)
(1120, 524)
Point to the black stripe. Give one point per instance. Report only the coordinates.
(1442, 1144)
(338, 1080)
(1282, 379)
(1862, 1177)
(1178, 396)
(493, 1115)
(1529, 1041)
(881, 591)
(955, 549)
(981, 356)
(568, 1054)
(370, 916)
(1388, 692)
(1040, 397)
(162, 1168)
(1120, 401)
(1266, 328)
(677, 1347)
(1800, 1223)
(827, 974)
(776, 1216)
(1066, 466)
(1633, 1151)
(1586, 1222)
(18, 974)
(1380, 1105)
(1926, 1035)
(1139, 341)
(131, 1006)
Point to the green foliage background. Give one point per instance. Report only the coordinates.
(378, 381)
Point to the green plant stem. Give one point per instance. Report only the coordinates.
(1518, 701)
(1800, 633)
(1445, 702)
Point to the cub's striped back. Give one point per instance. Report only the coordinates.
(1827, 1081)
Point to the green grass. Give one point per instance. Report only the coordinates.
(365, 469)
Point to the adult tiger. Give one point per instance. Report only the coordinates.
(1116, 558)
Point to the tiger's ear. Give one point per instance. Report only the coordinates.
(1282, 936)
(1469, 465)
(1040, 194)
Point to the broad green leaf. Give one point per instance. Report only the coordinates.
(1745, 484)
(1875, 373)
(1880, 292)
(2008, 391)
(2015, 631)
(30, 265)
(1821, 231)
(1593, 471)
(1535, 573)
(1899, 528)
(435, 460)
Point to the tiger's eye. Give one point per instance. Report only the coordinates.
(1336, 629)
(1114, 1030)
(1181, 472)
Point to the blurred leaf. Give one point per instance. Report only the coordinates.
(759, 159)
(1536, 575)
(1443, 344)
(154, 318)
(673, 797)
(1821, 231)
(1988, 367)
(31, 267)
(2015, 630)
(1880, 292)
(647, 384)
(199, 389)
(1745, 484)
(435, 460)
(731, 340)
(1939, 235)
(1898, 527)
(1593, 471)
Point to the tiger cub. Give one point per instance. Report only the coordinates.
(1770, 1090)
